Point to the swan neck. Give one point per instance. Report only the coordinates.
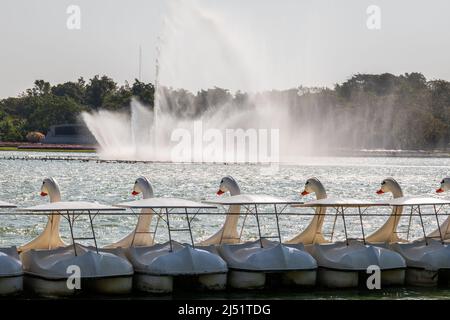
(55, 198)
(232, 218)
(234, 190)
(147, 193)
(397, 192)
(320, 192)
(320, 212)
(53, 192)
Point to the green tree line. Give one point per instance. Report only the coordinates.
(44, 105)
(367, 111)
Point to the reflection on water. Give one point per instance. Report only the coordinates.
(112, 183)
(399, 293)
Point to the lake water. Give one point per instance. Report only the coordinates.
(111, 183)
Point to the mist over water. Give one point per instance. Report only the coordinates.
(193, 38)
(196, 40)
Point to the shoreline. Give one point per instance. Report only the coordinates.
(41, 147)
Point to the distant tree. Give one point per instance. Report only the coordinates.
(74, 90)
(11, 129)
(97, 89)
(145, 92)
(365, 111)
(40, 88)
(118, 100)
(52, 110)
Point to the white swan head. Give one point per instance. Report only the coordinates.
(390, 185)
(313, 185)
(228, 184)
(142, 185)
(445, 185)
(50, 187)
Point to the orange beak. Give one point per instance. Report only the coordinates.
(380, 191)
(43, 194)
(440, 190)
(134, 193)
(220, 192)
(304, 193)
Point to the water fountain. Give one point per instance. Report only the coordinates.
(147, 134)
(268, 126)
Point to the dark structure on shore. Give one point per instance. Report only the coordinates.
(69, 134)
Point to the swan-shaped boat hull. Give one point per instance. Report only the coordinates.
(249, 263)
(156, 266)
(47, 271)
(341, 265)
(11, 274)
(428, 263)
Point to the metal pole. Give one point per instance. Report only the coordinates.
(189, 226)
(446, 229)
(278, 223)
(259, 228)
(243, 225)
(168, 229)
(93, 232)
(439, 227)
(345, 227)
(334, 224)
(423, 227)
(156, 229)
(409, 224)
(71, 233)
(362, 226)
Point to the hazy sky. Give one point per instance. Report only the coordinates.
(238, 44)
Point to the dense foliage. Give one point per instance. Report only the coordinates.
(405, 111)
(44, 105)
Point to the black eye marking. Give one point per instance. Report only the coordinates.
(384, 182)
(443, 181)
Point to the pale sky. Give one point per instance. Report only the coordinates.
(237, 44)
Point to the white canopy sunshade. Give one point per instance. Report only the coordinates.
(70, 206)
(250, 202)
(342, 202)
(71, 210)
(164, 203)
(167, 204)
(349, 202)
(417, 201)
(251, 199)
(4, 204)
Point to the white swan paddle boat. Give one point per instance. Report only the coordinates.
(250, 262)
(141, 234)
(343, 263)
(445, 185)
(11, 274)
(444, 229)
(427, 258)
(156, 265)
(47, 269)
